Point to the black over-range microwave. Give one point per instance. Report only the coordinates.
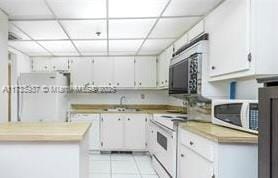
(185, 69)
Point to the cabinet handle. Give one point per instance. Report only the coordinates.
(166, 81)
(182, 155)
(162, 82)
(128, 119)
(109, 83)
(191, 143)
(119, 119)
(118, 84)
(213, 67)
(140, 83)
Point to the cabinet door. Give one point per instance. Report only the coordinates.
(192, 165)
(94, 135)
(145, 72)
(135, 132)
(103, 71)
(42, 64)
(81, 71)
(229, 43)
(164, 63)
(112, 132)
(60, 64)
(124, 72)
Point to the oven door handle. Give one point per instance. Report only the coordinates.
(169, 131)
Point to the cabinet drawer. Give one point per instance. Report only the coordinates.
(198, 144)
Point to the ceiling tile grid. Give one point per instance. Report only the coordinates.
(127, 27)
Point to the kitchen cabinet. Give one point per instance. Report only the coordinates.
(237, 30)
(42, 64)
(60, 64)
(145, 72)
(94, 136)
(190, 164)
(163, 67)
(229, 44)
(196, 31)
(50, 64)
(123, 132)
(124, 72)
(214, 159)
(81, 72)
(112, 132)
(181, 42)
(135, 131)
(103, 71)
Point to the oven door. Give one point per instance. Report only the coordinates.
(164, 149)
(178, 77)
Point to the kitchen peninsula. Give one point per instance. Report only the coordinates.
(32, 150)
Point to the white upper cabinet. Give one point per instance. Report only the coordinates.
(229, 30)
(42, 64)
(163, 67)
(124, 72)
(103, 71)
(81, 71)
(50, 64)
(60, 64)
(182, 41)
(196, 31)
(145, 72)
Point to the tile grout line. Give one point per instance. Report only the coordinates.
(137, 166)
(110, 158)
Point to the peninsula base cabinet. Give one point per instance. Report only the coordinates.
(94, 136)
(199, 157)
(123, 132)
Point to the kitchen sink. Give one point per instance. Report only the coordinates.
(121, 110)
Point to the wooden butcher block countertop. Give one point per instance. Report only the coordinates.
(43, 131)
(219, 134)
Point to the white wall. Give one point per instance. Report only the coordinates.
(247, 89)
(3, 66)
(151, 97)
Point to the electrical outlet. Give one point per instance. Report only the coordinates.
(142, 96)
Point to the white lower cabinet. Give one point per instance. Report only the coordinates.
(191, 162)
(123, 132)
(94, 136)
(112, 131)
(199, 157)
(135, 132)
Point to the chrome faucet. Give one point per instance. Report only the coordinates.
(121, 100)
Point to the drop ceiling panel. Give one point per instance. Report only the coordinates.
(124, 45)
(18, 33)
(190, 7)
(59, 47)
(28, 47)
(85, 29)
(136, 8)
(122, 53)
(135, 28)
(155, 46)
(173, 27)
(92, 47)
(78, 8)
(40, 30)
(19, 9)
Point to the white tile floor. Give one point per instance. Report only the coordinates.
(121, 166)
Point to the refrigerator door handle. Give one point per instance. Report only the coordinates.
(19, 102)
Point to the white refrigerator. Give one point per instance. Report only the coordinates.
(42, 97)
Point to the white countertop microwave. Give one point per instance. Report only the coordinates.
(237, 114)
